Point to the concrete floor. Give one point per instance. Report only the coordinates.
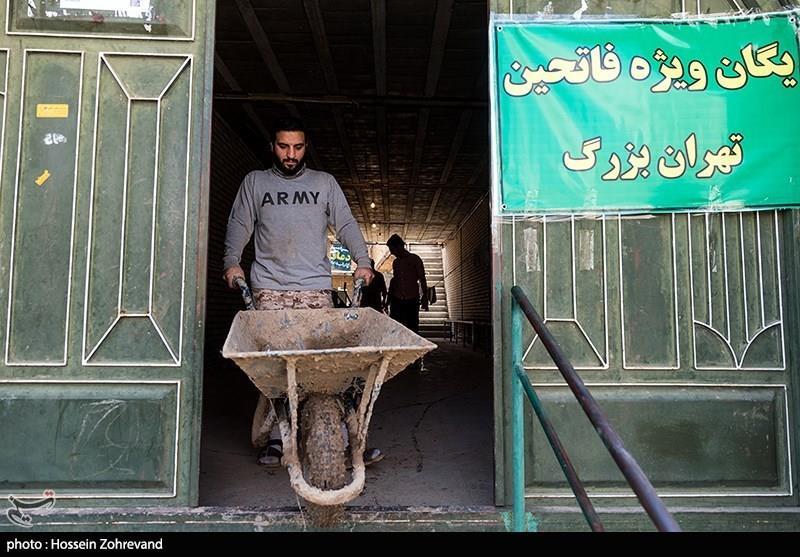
(435, 429)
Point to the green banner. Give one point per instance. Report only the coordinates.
(339, 257)
(647, 115)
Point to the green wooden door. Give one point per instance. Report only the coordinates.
(682, 327)
(104, 111)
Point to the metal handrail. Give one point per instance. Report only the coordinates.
(564, 461)
(626, 463)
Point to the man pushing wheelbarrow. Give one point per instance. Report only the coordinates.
(302, 354)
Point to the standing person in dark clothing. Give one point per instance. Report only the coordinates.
(373, 295)
(406, 285)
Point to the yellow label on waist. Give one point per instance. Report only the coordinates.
(52, 110)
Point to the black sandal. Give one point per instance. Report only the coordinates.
(272, 455)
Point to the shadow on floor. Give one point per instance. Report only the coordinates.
(435, 429)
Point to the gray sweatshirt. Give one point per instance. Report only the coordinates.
(291, 215)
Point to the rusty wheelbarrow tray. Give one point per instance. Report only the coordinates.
(322, 351)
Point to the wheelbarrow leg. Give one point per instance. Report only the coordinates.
(263, 422)
(321, 454)
(320, 451)
(357, 425)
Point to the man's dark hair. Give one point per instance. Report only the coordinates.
(287, 124)
(395, 241)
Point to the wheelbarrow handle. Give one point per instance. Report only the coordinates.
(357, 286)
(247, 296)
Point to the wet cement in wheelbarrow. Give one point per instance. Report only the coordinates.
(435, 429)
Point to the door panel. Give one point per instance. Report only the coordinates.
(696, 378)
(102, 207)
(736, 296)
(565, 258)
(135, 288)
(109, 438)
(693, 440)
(43, 219)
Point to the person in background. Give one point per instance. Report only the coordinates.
(374, 294)
(408, 287)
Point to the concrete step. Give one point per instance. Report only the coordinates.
(438, 330)
(183, 519)
(479, 518)
(432, 322)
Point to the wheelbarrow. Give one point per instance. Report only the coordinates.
(311, 358)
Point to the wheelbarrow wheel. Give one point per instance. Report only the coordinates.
(322, 448)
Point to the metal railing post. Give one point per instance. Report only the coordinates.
(564, 461)
(633, 473)
(517, 425)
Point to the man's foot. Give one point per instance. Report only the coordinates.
(371, 456)
(418, 366)
(272, 454)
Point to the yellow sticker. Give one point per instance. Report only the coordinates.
(52, 110)
(43, 178)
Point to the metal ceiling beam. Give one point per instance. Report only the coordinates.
(479, 170)
(410, 194)
(271, 60)
(385, 201)
(401, 101)
(451, 186)
(463, 125)
(441, 27)
(366, 222)
(399, 223)
(230, 80)
(378, 8)
(346, 148)
(383, 149)
(317, 24)
(419, 141)
(451, 215)
(378, 11)
(469, 214)
(263, 45)
(431, 211)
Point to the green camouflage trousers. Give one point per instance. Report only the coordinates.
(292, 299)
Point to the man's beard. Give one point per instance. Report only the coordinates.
(284, 169)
